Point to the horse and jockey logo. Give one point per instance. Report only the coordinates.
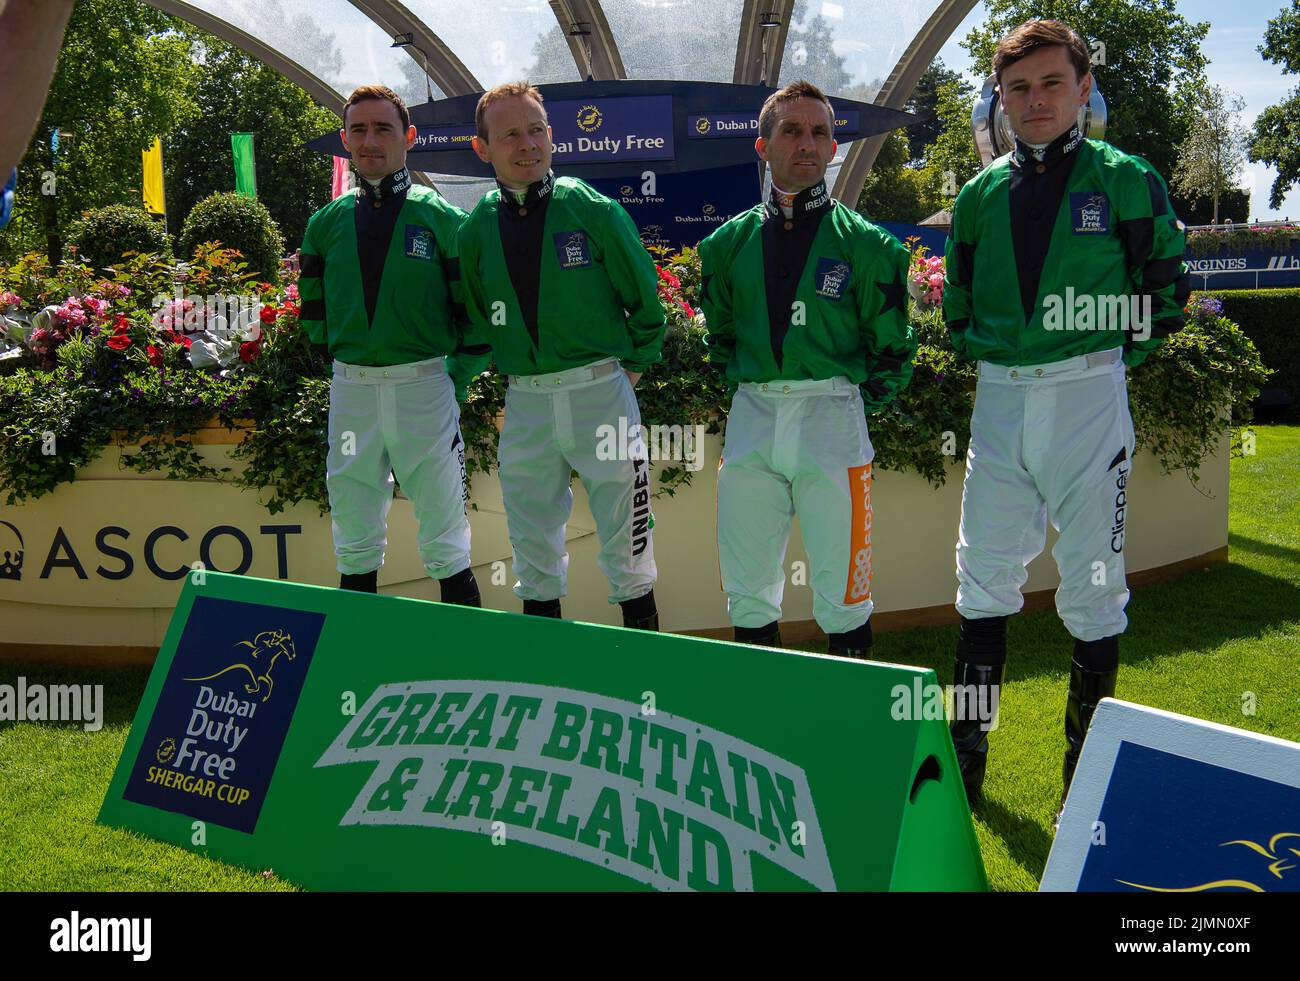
(258, 660)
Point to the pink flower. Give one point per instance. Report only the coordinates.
(291, 292)
(8, 299)
(935, 280)
(70, 314)
(96, 306)
(41, 341)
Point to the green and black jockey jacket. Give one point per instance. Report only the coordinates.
(820, 294)
(380, 281)
(559, 280)
(1076, 253)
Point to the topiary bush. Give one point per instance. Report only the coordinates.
(104, 235)
(237, 222)
(1269, 317)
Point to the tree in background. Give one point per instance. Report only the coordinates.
(953, 159)
(1211, 157)
(894, 191)
(924, 101)
(1147, 62)
(124, 77)
(236, 93)
(1276, 140)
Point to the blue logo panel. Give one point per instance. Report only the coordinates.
(224, 710)
(572, 250)
(832, 277)
(1177, 824)
(1089, 213)
(420, 243)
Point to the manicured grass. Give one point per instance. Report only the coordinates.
(1195, 646)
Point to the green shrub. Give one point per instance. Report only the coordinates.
(104, 235)
(1271, 319)
(237, 222)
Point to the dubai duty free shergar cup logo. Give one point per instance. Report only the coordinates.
(589, 119)
(702, 125)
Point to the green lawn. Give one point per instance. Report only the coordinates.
(1194, 646)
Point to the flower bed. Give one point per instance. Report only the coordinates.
(97, 358)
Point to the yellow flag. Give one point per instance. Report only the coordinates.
(154, 202)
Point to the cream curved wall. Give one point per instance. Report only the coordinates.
(915, 526)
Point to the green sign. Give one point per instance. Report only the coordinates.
(352, 741)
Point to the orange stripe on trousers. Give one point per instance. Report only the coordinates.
(858, 589)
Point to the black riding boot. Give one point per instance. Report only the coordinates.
(460, 589)
(977, 673)
(543, 608)
(641, 613)
(855, 643)
(1093, 672)
(768, 635)
(362, 582)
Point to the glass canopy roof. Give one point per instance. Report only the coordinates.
(849, 48)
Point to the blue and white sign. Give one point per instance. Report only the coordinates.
(1253, 269)
(1167, 803)
(612, 129)
(722, 125)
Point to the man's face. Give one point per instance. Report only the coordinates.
(373, 135)
(519, 142)
(1041, 94)
(801, 145)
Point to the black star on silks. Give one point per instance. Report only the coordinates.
(895, 295)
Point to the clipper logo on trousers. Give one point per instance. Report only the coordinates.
(1121, 501)
(640, 506)
(458, 447)
(859, 585)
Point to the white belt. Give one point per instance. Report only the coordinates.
(800, 386)
(567, 378)
(378, 374)
(1053, 369)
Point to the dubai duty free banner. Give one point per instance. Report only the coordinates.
(352, 741)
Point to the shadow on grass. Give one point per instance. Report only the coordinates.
(1263, 548)
(123, 686)
(1026, 839)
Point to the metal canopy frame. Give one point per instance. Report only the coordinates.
(753, 67)
(896, 91)
(606, 63)
(319, 90)
(447, 71)
(596, 54)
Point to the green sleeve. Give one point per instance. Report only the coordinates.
(474, 353)
(959, 267)
(715, 300)
(635, 279)
(890, 340)
(311, 288)
(470, 357)
(1154, 240)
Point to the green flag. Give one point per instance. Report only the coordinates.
(241, 145)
